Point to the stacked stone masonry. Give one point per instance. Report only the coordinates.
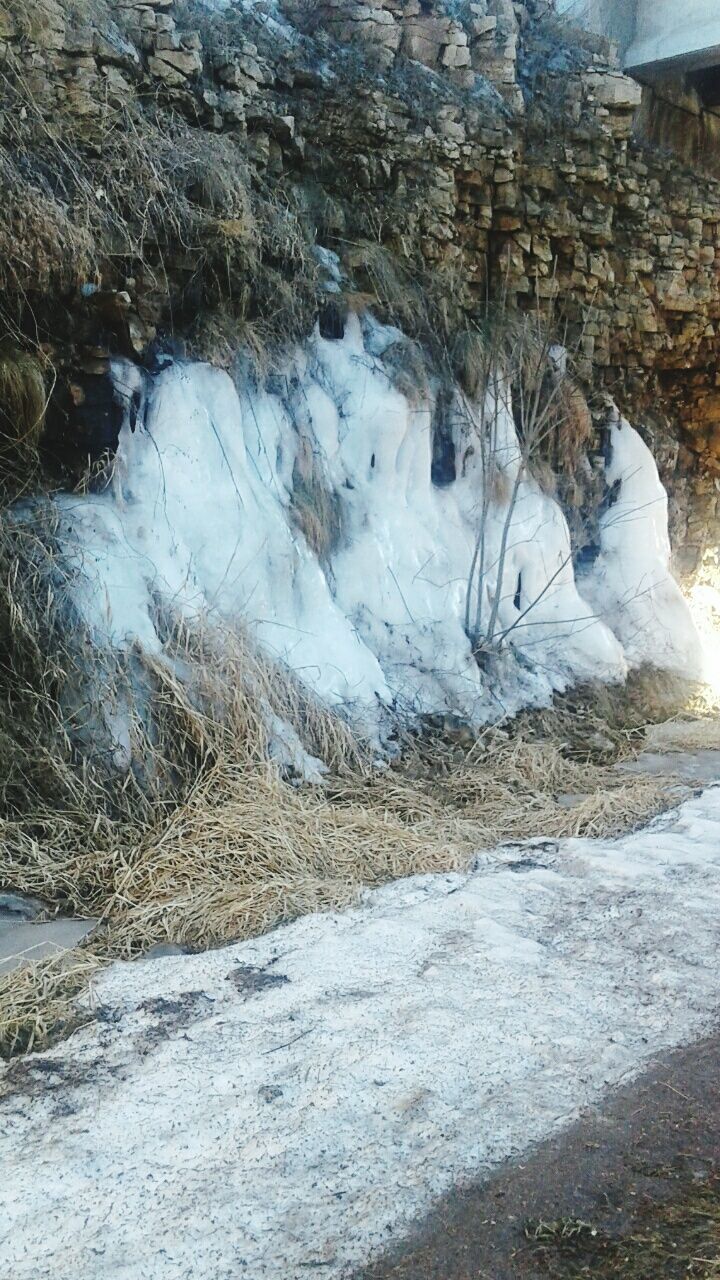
(479, 135)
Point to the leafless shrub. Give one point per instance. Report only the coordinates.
(513, 369)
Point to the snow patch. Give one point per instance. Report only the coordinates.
(296, 1101)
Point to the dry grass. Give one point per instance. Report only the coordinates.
(506, 788)
(315, 508)
(388, 281)
(198, 836)
(23, 401)
(406, 366)
(139, 191)
(229, 847)
(240, 850)
(685, 735)
(243, 850)
(39, 1000)
(22, 397)
(469, 361)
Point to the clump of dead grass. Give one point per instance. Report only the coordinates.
(469, 361)
(22, 397)
(390, 285)
(506, 789)
(315, 508)
(684, 735)
(407, 369)
(23, 402)
(38, 1001)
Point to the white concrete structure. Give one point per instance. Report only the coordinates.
(682, 32)
(673, 34)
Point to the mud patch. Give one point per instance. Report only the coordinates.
(673, 1240)
(173, 1016)
(251, 980)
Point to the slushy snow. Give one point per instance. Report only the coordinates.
(295, 1102)
(200, 515)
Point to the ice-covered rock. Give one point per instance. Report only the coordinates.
(306, 509)
(631, 583)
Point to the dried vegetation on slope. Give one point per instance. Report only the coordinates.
(208, 839)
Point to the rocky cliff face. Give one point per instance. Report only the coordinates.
(171, 166)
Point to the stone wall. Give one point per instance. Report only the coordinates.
(675, 120)
(616, 19)
(456, 41)
(473, 141)
(566, 205)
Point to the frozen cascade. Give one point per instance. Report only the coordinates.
(631, 585)
(200, 513)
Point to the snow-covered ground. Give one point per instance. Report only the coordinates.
(294, 1102)
(208, 475)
